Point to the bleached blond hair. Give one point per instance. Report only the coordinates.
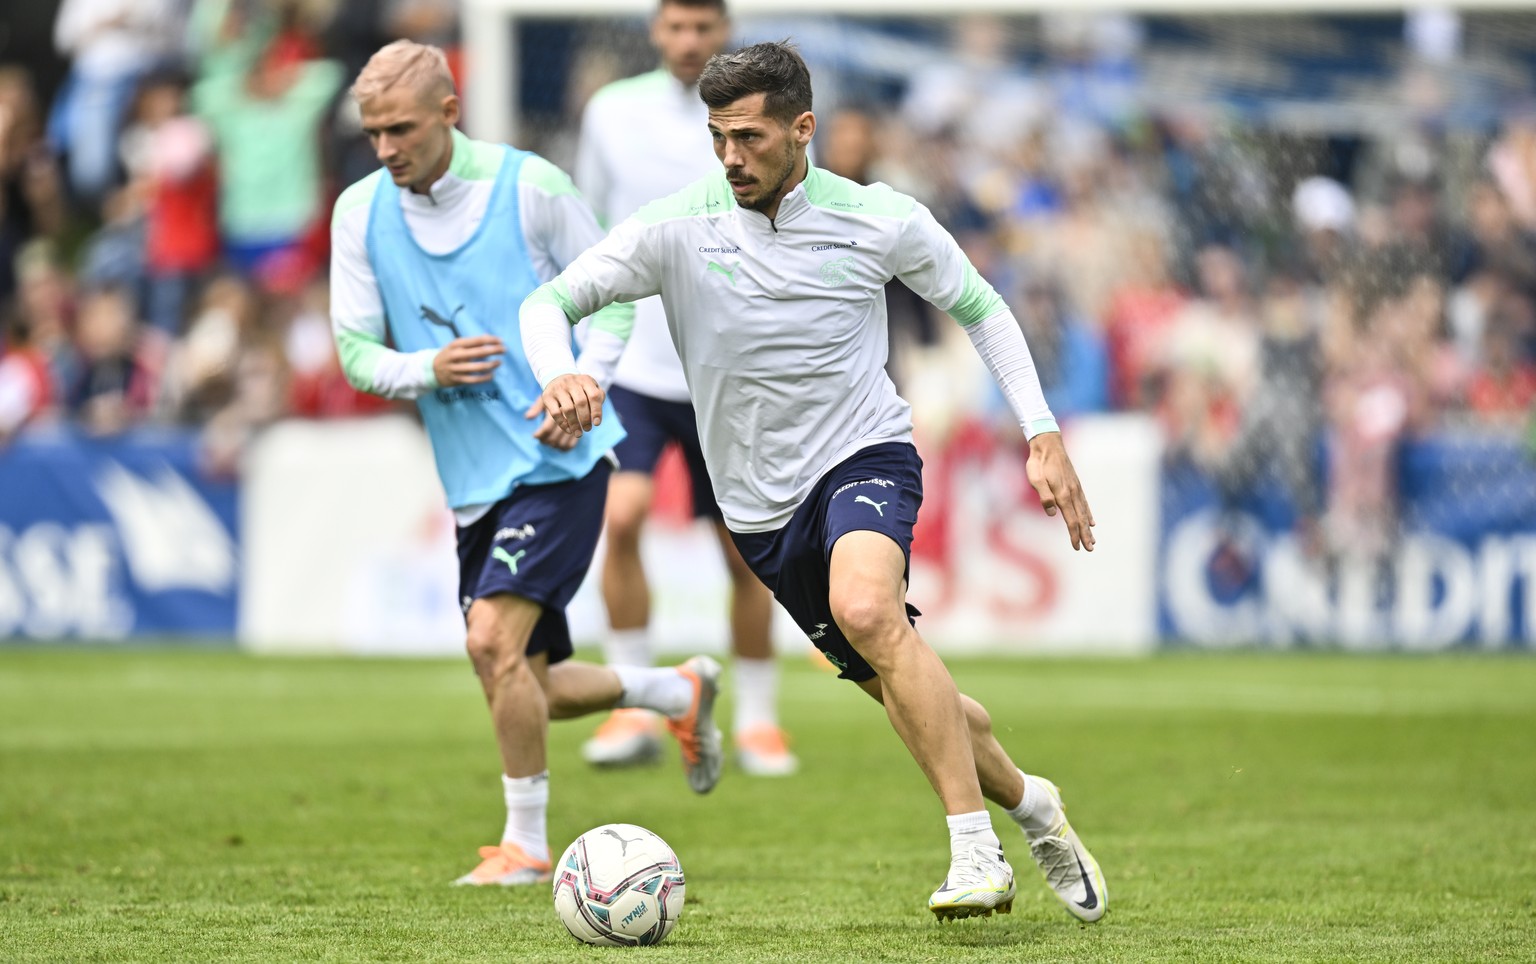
(405, 63)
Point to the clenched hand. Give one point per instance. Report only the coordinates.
(575, 402)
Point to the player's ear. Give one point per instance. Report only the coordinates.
(450, 108)
(803, 127)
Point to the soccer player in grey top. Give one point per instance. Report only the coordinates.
(772, 273)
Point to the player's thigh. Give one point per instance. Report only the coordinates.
(792, 564)
(522, 562)
(866, 584)
(741, 572)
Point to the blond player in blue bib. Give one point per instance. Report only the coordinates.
(431, 257)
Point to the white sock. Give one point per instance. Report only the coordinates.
(662, 689)
(627, 647)
(527, 801)
(969, 829)
(757, 692)
(1037, 812)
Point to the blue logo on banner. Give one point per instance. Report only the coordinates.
(1461, 571)
(104, 539)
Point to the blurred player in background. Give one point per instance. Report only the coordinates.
(435, 252)
(642, 139)
(772, 273)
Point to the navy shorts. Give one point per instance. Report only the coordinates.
(879, 489)
(536, 543)
(651, 424)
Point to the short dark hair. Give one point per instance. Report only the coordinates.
(774, 69)
(711, 4)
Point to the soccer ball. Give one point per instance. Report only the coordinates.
(619, 885)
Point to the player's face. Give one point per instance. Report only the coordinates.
(761, 154)
(687, 37)
(411, 134)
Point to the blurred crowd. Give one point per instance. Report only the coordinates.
(164, 215)
(1291, 307)
(1286, 304)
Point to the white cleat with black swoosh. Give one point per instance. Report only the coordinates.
(1068, 867)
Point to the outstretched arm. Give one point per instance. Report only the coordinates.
(1000, 343)
(930, 262)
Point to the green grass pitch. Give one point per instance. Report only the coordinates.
(164, 805)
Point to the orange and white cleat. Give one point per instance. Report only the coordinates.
(696, 733)
(628, 737)
(507, 866)
(763, 751)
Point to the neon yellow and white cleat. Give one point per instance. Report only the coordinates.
(979, 882)
(1068, 867)
(628, 737)
(697, 735)
(507, 866)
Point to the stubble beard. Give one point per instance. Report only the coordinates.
(771, 197)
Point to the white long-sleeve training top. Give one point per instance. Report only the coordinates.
(781, 325)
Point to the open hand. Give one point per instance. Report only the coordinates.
(1055, 481)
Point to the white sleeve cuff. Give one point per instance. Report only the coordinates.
(546, 342)
(600, 356)
(1001, 346)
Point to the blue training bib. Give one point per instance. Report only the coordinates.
(483, 445)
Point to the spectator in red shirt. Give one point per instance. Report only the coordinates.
(26, 385)
(1502, 391)
(169, 156)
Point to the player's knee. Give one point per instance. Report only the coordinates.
(624, 524)
(867, 619)
(490, 651)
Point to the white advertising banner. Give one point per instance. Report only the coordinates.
(349, 548)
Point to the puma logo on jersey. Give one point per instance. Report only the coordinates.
(510, 558)
(867, 501)
(730, 273)
(438, 319)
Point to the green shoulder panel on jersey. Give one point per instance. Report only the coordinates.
(475, 160)
(359, 194)
(556, 293)
(827, 190)
(978, 299)
(640, 85)
(616, 319)
(701, 199)
(545, 176)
